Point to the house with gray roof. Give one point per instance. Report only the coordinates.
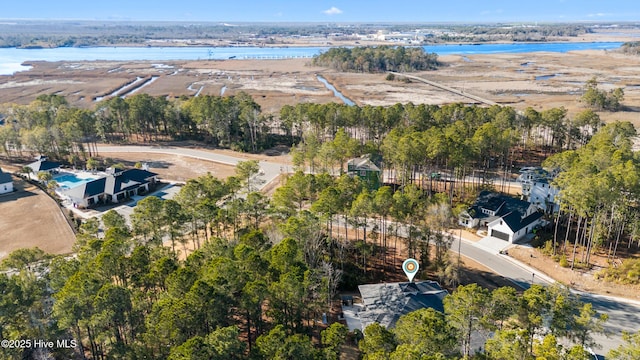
(386, 303)
(6, 182)
(113, 188)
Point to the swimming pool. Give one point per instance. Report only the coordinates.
(69, 181)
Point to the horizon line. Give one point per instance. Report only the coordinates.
(407, 22)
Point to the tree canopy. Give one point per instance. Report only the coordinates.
(382, 58)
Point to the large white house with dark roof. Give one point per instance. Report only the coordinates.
(112, 188)
(505, 217)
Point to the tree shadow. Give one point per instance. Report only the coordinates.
(631, 108)
(155, 164)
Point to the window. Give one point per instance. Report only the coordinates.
(500, 222)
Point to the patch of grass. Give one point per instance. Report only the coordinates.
(627, 273)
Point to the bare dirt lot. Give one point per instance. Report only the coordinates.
(30, 218)
(172, 167)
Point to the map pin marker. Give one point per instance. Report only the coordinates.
(410, 267)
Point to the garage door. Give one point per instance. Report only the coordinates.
(500, 235)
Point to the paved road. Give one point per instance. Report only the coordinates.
(271, 170)
(623, 314)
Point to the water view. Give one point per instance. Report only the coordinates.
(13, 59)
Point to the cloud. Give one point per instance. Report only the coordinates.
(490, 12)
(598, 15)
(333, 11)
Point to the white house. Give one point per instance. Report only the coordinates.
(43, 164)
(6, 182)
(505, 217)
(112, 188)
(537, 189)
(513, 226)
(542, 194)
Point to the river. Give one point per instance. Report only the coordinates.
(13, 59)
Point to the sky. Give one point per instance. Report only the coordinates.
(423, 11)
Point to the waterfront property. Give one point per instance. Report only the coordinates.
(505, 217)
(109, 189)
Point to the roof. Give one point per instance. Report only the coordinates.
(363, 163)
(85, 190)
(515, 222)
(5, 177)
(536, 174)
(43, 165)
(126, 180)
(498, 203)
(385, 303)
(111, 184)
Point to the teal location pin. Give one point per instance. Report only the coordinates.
(410, 267)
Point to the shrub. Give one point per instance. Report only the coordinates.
(563, 261)
(548, 248)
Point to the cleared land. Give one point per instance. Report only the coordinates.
(172, 167)
(30, 218)
(583, 280)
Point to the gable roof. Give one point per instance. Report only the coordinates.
(126, 180)
(111, 184)
(5, 177)
(85, 190)
(498, 203)
(43, 165)
(386, 303)
(362, 163)
(515, 222)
